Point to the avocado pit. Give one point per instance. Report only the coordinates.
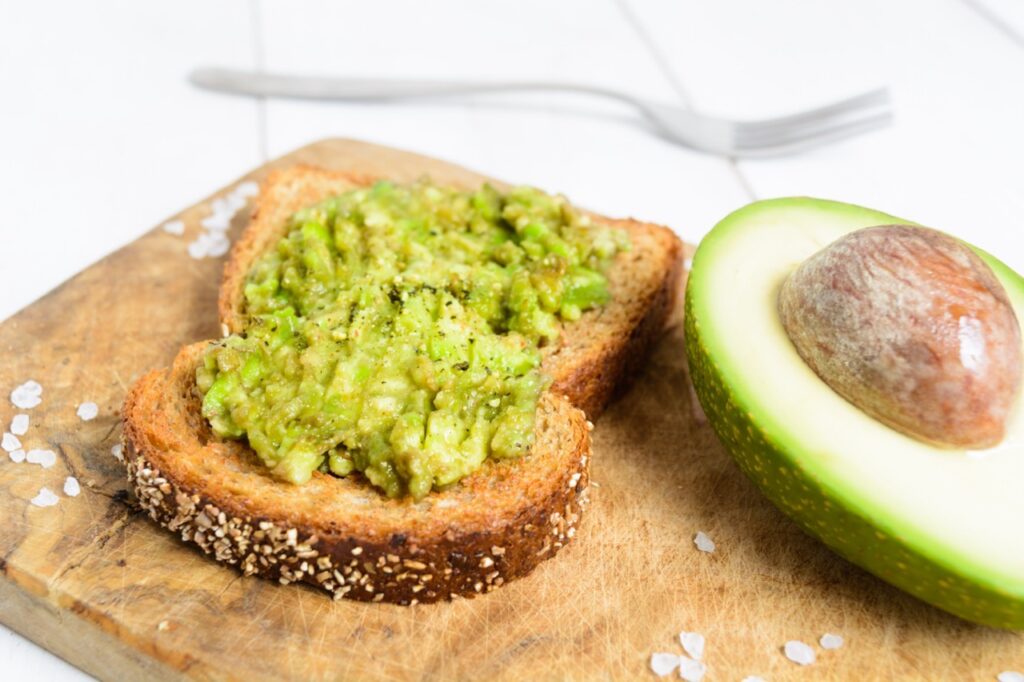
(912, 327)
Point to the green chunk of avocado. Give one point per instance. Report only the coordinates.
(944, 525)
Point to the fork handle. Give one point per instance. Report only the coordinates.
(261, 84)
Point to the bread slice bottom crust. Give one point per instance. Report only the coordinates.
(340, 534)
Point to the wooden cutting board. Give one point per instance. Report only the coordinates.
(96, 582)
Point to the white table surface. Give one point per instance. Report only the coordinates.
(101, 137)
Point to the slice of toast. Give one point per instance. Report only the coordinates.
(341, 534)
(594, 356)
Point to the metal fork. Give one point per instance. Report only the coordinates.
(767, 137)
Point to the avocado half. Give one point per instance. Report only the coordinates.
(944, 525)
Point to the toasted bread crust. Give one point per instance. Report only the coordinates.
(283, 193)
(338, 534)
(595, 356)
(599, 354)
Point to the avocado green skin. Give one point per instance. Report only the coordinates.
(783, 473)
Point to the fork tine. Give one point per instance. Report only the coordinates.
(785, 135)
(867, 100)
(824, 135)
(782, 135)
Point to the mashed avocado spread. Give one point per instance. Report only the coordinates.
(395, 331)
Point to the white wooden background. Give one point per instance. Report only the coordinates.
(101, 137)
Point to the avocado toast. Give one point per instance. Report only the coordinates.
(343, 535)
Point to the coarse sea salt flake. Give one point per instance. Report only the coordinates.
(19, 425)
(118, 452)
(199, 248)
(174, 227)
(247, 189)
(1010, 676)
(27, 396)
(690, 670)
(218, 246)
(752, 678)
(693, 644)
(663, 664)
(25, 402)
(10, 442)
(798, 652)
(703, 542)
(217, 222)
(88, 411)
(235, 201)
(17, 456)
(44, 458)
(45, 498)
(71, 486)
(830, 641)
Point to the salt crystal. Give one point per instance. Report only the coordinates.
(199, 247)
(247, 189)
(32, 387)
(218, 221)
(174, 227)
(688, 264)
(219, 250)
(830, 641)
(752, 678)
(71, 487)
(693, 644)
(88, 411)
(25, 402)
(798, 652)
(117, 452)
(220, 205)
(663, 664)
(218, 245)
(1010, 676)
(10, 442)
(44, 458)
(703, 542)
(691, 671)
(235, 201)
(45, 498)
(17, 456)
(19, 425)
(28, 395)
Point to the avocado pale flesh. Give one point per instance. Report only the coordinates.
(942, 524)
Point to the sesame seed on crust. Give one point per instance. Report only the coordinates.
(268, 549)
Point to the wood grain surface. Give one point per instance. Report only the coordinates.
(96, 582)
